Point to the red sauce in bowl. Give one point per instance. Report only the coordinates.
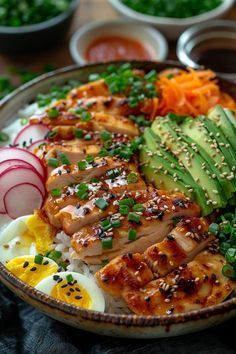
(117, 48)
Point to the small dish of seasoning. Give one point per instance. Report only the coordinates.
(104, 41)
(212, 45)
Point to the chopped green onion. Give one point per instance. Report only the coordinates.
(4, 137)
(79, 133)
(103, 153)
(53, 162)
(82, 195)
(228, 271)
(89, 158)
(69, 278)
(134, 217)
(54, 255)
(230, 255)
(52, 134)
(213, 228)
(101, 203)
(94, 180)
(124, 209)
(105, 223)
(105, 135)
(53, 113)
(107, 243)
(86, 116)
(132, 177)
(55, 192)
(138, 207)
(24, 121)
(64, 159)
(104, 262)
(88, 137)
(132, 234)
(82, 165)
(38, 259)
(127, 201)
(224, 246)
(116, 223)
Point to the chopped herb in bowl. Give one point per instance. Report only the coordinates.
(173, 8)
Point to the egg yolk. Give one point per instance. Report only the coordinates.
(41, 231)
(29, 271)
(72, 293)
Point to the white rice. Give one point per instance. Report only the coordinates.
(63, 244)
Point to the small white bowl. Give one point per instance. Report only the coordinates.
(124, 28)
(173, 27)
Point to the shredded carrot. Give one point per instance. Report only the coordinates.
(189, 92)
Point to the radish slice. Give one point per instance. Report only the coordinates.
(32, 196)
(10, 153)
(36, 144)
(31, 133)
(14, 162)
(18, 175)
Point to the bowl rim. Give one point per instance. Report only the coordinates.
(194, 31)
(177, 22)
(92, 26)
(115, 319)
(42, 25)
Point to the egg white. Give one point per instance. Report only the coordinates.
(97, 298)
(10, 238)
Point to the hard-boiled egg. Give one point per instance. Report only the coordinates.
(16, 241)
(75, 289)
(28, 234)
(32, 269)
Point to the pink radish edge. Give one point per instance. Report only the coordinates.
(33, 199)
(4, 165)
(36, 131)
(18, 175)
(9, 153)
(36, 144)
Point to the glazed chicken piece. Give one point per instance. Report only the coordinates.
(162, 257)
(151, 225)
(91, 89)
(196, 285)
(67, 175)
(188, 238)
(63, 211)
(129, 270)
(72, 218)
(66, 123)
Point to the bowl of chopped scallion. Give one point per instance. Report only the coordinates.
(31, 25)
(172, 17)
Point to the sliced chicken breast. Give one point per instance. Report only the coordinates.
(196, 285)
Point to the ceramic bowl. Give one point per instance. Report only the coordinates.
(30, 38)
(104, 323)
(172, 27)
(125, 28)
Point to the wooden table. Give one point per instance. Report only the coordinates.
(59, 56)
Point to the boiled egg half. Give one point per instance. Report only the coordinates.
(32, 269)
(75, 289)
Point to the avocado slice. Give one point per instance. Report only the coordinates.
(160, 172)
(209, 150)
(218, 116)
(194, 163)
(224, 145)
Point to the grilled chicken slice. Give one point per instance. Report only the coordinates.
(151, 225)
(73, 218)
(63, 210)
(92, 89)
(127, 270)
(162, 257)
(66, 123)
(181, 245)
(67, 175)
(196, 285)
